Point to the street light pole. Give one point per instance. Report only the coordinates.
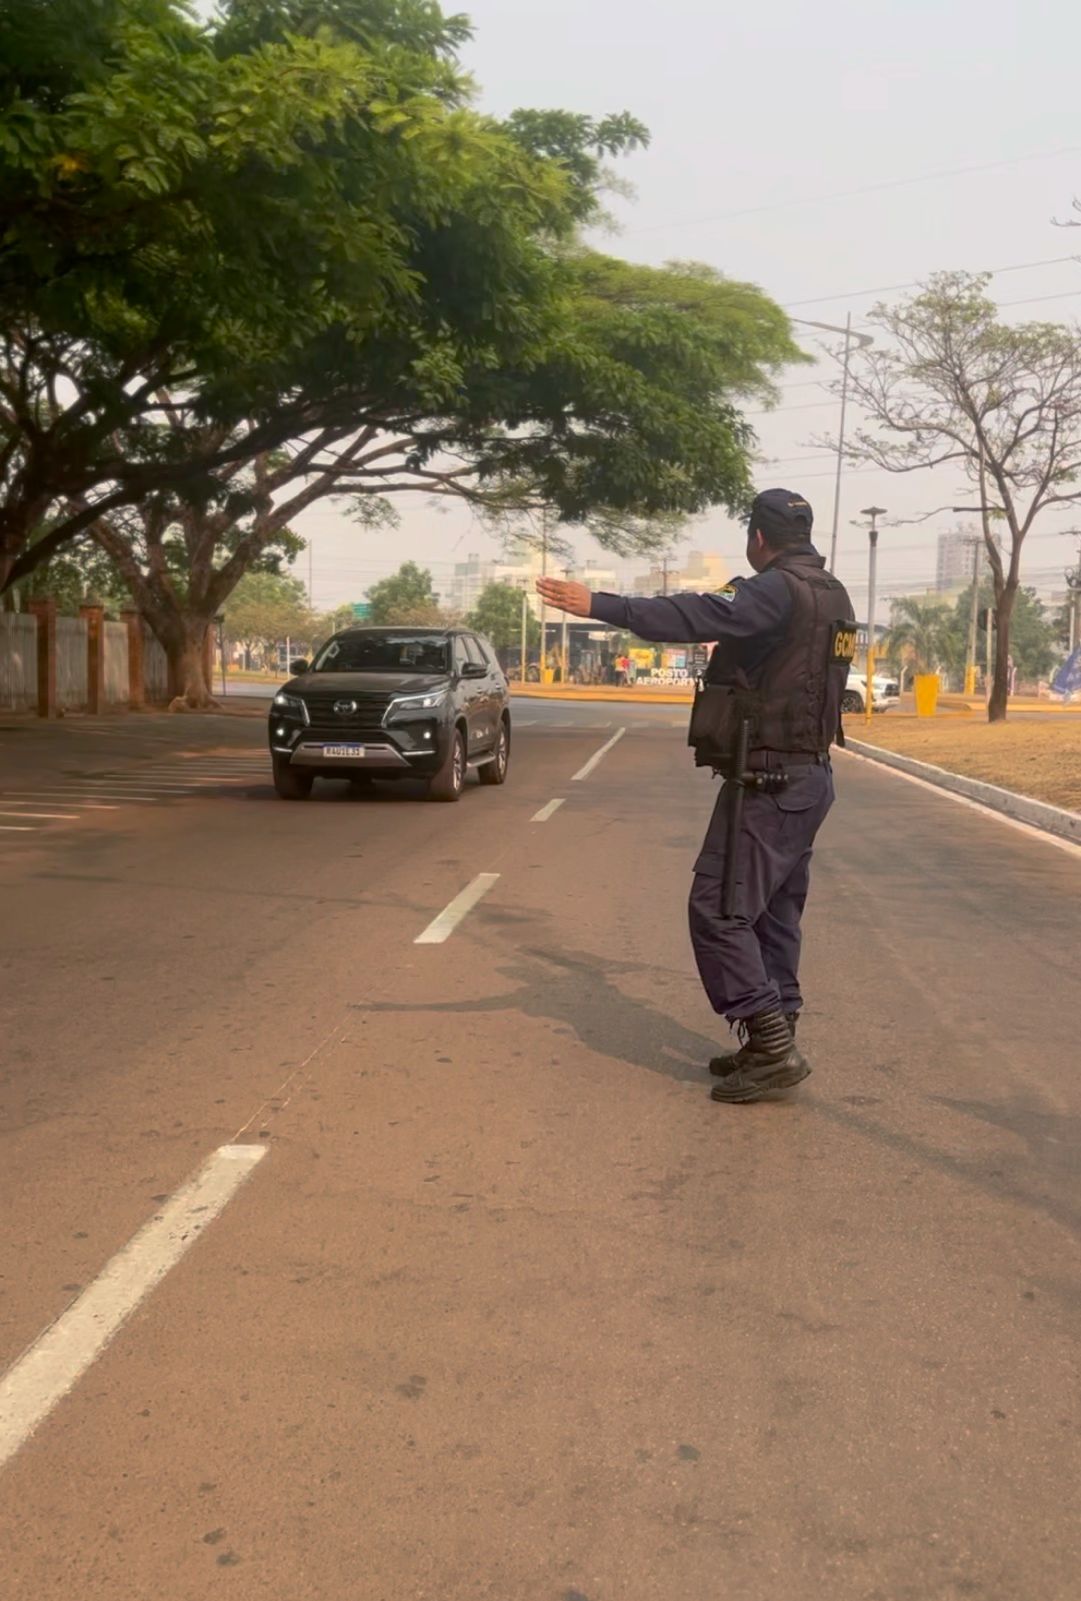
(841, 442)
(977, 544)
(874, 512)
(973, 622)
(563, 652)
(1072, 576)
(862, 341)
(543, 607)
(525, 629)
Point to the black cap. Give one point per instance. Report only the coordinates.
(782, 512)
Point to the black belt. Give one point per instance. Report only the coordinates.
(782, 758)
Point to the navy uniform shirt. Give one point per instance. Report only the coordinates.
(751, 615)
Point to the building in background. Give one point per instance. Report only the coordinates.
(703, 571)
(471, 578)
(954, 566)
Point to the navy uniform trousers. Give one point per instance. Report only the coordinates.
(749, 962)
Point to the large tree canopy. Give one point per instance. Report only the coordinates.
(312, 268)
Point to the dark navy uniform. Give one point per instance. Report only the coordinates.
(749, 961)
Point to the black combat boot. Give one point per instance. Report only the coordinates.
(771, 1061)
(721, 1066)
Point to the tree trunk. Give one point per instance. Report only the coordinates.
(189, 688)
(1000, 683)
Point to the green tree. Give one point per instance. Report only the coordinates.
(78, 575)
(498, 615)
(406, 596)
(1033, 641)
(319, 273)
(266, 609)
(951, 383)
(921, 630)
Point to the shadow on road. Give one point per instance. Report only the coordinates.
(577, 990)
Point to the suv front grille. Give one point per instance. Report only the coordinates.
(367, 718)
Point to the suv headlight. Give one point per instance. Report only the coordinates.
(418, 703)
(290, 706)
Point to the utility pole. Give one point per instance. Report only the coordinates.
(543, 607)
(665, 560)
(874, 512)
(311, 606)
(1073, 586)
(977, 542)
(970, 663)
(568, 573)
(859, 342)
(525, 629)
(841, 442)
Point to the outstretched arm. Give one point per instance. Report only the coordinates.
(739, 611)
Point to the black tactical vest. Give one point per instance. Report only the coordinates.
(795, 699)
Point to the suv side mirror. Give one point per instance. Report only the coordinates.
(474, 670)
(299, 666)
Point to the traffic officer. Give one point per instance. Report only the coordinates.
(784, 638)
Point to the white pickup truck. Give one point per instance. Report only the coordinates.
(887, 693)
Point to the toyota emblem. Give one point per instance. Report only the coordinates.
(344, 708)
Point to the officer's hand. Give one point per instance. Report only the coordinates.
(573, 598)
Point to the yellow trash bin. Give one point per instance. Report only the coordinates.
(927, 686)
(548, 675)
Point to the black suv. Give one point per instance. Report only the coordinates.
(393, 703)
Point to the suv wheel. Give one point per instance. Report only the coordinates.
(447, 784)
(851, 701)
(291, 784)
(495, 771)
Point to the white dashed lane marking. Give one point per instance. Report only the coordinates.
(598, 757)
(546, 811)
(443, 926)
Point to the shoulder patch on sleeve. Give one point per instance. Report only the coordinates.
(728, 593)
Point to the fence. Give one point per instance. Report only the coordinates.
(117, 667)
(18, 662)
(155, 668)
(71, 673)
(78, 663)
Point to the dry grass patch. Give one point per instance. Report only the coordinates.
(1041, 758)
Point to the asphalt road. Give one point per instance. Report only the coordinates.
(510, 1309)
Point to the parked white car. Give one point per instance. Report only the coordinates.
(887, 693)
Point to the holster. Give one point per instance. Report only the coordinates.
(717, 717)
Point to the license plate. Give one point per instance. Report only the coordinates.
(350, 752)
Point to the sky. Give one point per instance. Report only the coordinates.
(821, 151)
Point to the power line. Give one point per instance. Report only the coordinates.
(888, 289)
(853, 194)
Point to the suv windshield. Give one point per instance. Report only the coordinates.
(384, 653)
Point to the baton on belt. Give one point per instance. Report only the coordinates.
(738, 782)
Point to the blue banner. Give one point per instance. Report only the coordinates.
(1067, 681)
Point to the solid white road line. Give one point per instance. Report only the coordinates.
(67, 817)
(443, 926)
(546, 811)
(964, 800)
(45, 1373)
(598, 756)
(14, 828)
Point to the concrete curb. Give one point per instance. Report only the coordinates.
(1020, 808)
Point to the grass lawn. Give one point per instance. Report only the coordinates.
(1041, 758)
